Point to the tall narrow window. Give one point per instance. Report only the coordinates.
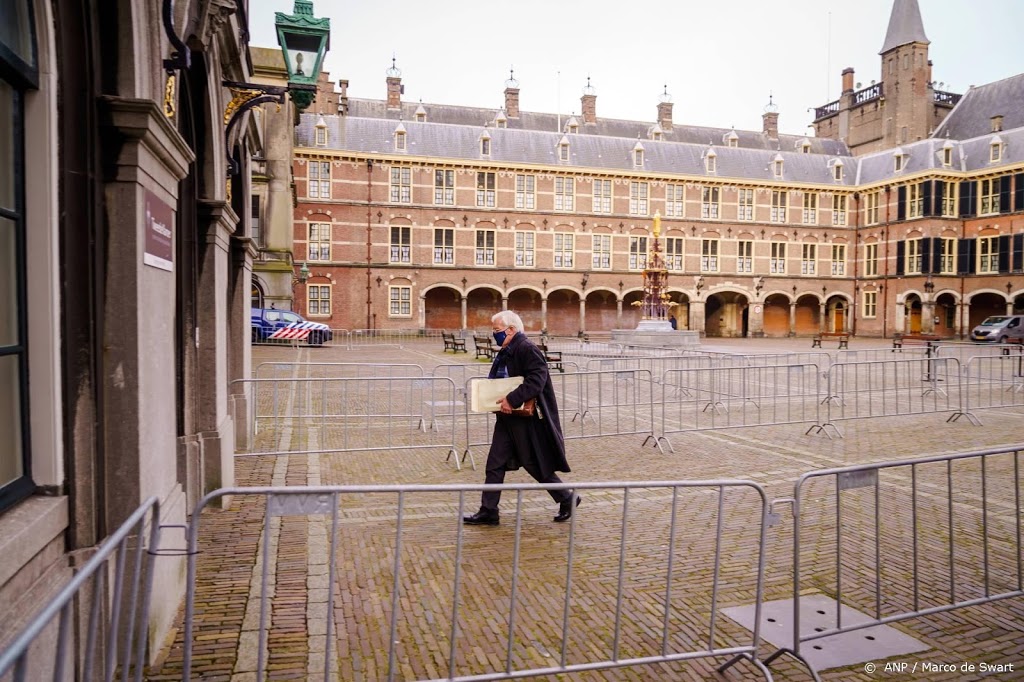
(897, 162)
(563, 151)
(744, 256)
(565, 194)
(444, 187)
(949, 199)
(988, 255)
(400, 301)
(485, 146)
(988, 196)
(947, 257)
(485, 183)
(638, 198)
(602, 252)
(778, 214)
(256, 223)
(871, 208)
(870, 260)
(563, 251)
(638, 157)
(401, 185)
(318, 301)
(709, 202)
(602, 196)
(637, 253)
(778, 168)
(444, 246)
(870, 303)
(485, 247)
(837, 172)
(838, 260)
(319, 180)
(710, 162)
(810, 214)
(809, 259)
(674, 253)
(995, 152)
(400, 142)
(321, 136)
(915, 200)
(778, 261)
(524, 249)
(401, 244)
(912, 264)
(947, 156)
(709, 255)
(526, 191)
(674, 201)
(319, 246)
(745, 203)
(839, 210)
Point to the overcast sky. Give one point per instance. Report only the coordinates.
(720, 59)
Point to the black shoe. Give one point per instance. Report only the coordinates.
(484, 517)
(565, 508)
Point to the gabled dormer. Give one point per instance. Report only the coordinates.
(899, 160)
(777, 166)
(400, 136)
(563, 149)
(947, 154)
(731, 139)
(638, 155)
(572, 126)
(656, 133)
(804, 145)
(421, 114)
(500, 119)
(711, 161)
(837, 170)
(485, 143)
(995, 149)
(320, 132)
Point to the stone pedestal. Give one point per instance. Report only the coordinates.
(656, 336)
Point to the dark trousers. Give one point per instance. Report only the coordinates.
(502, 445)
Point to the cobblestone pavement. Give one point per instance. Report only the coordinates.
(233, 549)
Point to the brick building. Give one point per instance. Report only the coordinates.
(435, 216)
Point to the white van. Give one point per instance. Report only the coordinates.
(1000, 329)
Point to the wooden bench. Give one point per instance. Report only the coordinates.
(484, 347)
(453, 343)
(900, 340)
(553, 357)
(842, 337)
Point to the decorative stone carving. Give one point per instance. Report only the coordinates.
(214, 15)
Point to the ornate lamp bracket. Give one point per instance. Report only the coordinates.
(245, 96)
(181, 58)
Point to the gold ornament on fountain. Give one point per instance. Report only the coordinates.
(657, 224)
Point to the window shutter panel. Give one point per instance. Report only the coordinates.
(926, 255)
(936, 255)
(940, 195)
(1004, 253)
(965, 256)
(901, 203)
(928, 195)
(967, 207)
(1004, 194)
(1018, 252)
(1018, 201)
(901, 247)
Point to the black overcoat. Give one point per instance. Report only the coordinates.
(542, 433)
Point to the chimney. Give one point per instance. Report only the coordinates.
(512, 95)
(343, 96)
(997, 123)
(848, 79)
(665, 111)
(395, 88)
(588, 103)
(771, 119)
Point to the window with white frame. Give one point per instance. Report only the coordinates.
(401, 185)
(947, 256)
(321, 136)
(485, 184)
(837, 172)
(810, 214)
(444, 246)
(988, 196)
(745, 203)
(400, 142)
(485, 146)
(897, 162)
(526, 191)
(838, 260)
(564, 249)
(709, 255)
(710, 162)
(674, 201)
(485, 247)
(870, 260)
(870, 304)
(915, 200)
(524, 249)
(744, 255)
(988, 255)
(871, 208)
(947, 156)
(602, 196)
(319, 245)
(318, 301)
(778, 260)
(638, 157)
(949, 200)
(709, 202)
(839, 210)
(444, 187)
(565, 194)
(674, 253)
(912, 257)
(638, 198)
(400, 298)
(637, 253)
(401, 244)
(602, 252)
(563, 151)
(779, 206)
(809, 259)
(995, 152)
(778, 168)
(319, 186)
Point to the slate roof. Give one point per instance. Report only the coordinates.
(905, 26)
(972, 116)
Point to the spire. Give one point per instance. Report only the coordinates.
(905, 25)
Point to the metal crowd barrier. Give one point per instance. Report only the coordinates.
(860, 390)
(113, 588)
(866, 522)
(731, 397)
(334, 370)
(662, 612)
(967, 350)
(315, 416)
(995, 381)
(656, 365)
(880, 354)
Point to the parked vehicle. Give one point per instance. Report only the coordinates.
(1000, 329)
(267, 321)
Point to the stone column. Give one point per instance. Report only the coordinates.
(422, 312)
(822, 316)
(464, 317)
(697, 316)
(792, 319)
(618, 314)
(755, 319)
(243, 252)
(544, 313)
(504, 302)
(583, 314)
(963, 318)
(901, 318)
(928, 317)
(1009, 307)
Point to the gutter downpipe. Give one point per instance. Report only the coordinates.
(885, 274)
(369, 197)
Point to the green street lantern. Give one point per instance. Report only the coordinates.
(304, 40)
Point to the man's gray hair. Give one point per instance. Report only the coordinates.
(508, 318)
